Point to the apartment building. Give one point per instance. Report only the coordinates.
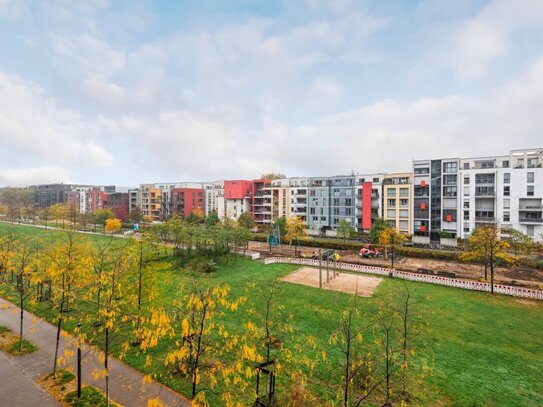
(134, 199)
(453, 196)
(318, 204)
(260, 201)
(117, 202)
(397, 201)
(46, 195)
(286, 197)
(237, 199)
(184, 200)
(369, 202)
(214, 197)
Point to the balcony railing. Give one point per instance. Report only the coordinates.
(531, 208)
(531, 220)
(485, 193)
(485, 219)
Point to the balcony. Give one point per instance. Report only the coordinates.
(485, 219)
(531, 208)
(530, 220)
(485, 193)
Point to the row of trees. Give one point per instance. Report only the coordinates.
(110, 285)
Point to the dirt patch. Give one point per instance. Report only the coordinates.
(529, 302)
(361, 285)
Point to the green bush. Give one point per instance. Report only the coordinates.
(202, 265)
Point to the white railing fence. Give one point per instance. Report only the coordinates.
(432, 279)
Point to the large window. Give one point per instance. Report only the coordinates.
(530, 177)
(391, 192)
(506, 177)
(391, 203)
(530, 191)
(506, 190)
(450, 167)
(449, 192)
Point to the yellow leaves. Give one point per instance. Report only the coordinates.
(185, 327)
(155, 402)
(250, 326)
(113, 225)
(249, 352)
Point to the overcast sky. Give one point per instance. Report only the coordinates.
(124, 92)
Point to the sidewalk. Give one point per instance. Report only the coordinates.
(126, 384)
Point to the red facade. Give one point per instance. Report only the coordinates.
(366, 205)
(185, 200)
(237, 189)
(95, 200)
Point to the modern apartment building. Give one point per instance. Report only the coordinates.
(184, 200)
(397, 201)
(453, 196)
(260, 201)
(369, 202)
(213, 193)
(51, 194)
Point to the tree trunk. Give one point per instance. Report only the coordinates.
(21, 306)
(59, 326)
(106, 354)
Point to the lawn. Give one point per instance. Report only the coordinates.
(484, 350)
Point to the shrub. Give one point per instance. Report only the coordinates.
(202, 265)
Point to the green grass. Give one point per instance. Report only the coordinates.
(484, 350)
(3, 329)
(90, 397)
(13, 348)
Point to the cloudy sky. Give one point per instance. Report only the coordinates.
(128, 91)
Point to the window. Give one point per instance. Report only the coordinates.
(466, 229)
(404, 213)
(376, 180)
(506, 217)
(466, 179)
(449, 191)
(505, 163)
(391, 213)
(466, 166)
(530, 191)
(466, 191)
(391, 203)
(466, 204)
(530, 230)
(466, 215)
(506, 190)
(530, 177)
(391, 192)
(506, 177)
(392, 223)
(506, 203)
(404, 224)
(450, 167)
(404, 203)
(404, 191)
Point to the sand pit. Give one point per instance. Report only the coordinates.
(344, 282)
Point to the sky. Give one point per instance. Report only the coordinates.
(131, 91)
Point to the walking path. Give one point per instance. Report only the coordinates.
(126, 385)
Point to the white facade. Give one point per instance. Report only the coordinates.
(214, 198)
(453, 196)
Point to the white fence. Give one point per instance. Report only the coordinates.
(432, 279)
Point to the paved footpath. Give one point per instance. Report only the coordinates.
(126, 385)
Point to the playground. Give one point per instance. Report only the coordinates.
(361, 285)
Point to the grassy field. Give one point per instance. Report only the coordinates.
(484, 350)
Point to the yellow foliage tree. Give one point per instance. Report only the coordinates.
(392, 239)
(113, 225)
(295, 229)
(485, 244)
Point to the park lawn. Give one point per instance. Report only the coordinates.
(483, 350)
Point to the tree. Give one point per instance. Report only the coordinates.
(101, 215)
(196, 216)
(273, 175)
(68, 266)
(246, 221)
(281, 224)
(520, 243)
(392, 239)
(100, 257)
(200, 338)
(344, 229)
(16, 200)
(212, 218)
(378, 226)
(136, 215)
(122, 214)
(58, 212)
(113, 225)
(23, 266)
(295, 229)
(485, 244)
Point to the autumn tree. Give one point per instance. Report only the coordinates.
(113, 225)
(392, 239)
(295, 229)
(100, 259)
(378, 226)
(246, 220)
(486, 244)
(196, 216)
(8, 243)
(344, 229)
(68, 266)
(16, 200)
(101, 216)
(200, 338)
(23, 267)
(281, 224)
(58, 212)
(273, 175)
